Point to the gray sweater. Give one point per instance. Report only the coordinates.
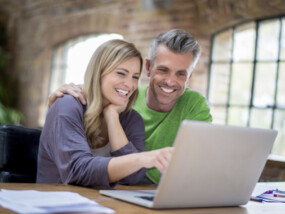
(64, 155)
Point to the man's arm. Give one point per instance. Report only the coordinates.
(72, 89)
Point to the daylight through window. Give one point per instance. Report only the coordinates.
(247, 77)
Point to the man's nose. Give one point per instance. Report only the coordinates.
(170, 80)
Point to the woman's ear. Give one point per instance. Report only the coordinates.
(147, 67)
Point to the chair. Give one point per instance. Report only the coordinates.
(18, 154)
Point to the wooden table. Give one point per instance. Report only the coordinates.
(123, 207)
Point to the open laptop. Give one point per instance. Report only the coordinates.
(211, 166)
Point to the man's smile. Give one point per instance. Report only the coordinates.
(167, 90)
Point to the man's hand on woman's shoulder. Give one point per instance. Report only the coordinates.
(72, 89)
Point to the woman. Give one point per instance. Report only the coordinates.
(103, 142)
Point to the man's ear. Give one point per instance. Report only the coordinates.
(147, 67)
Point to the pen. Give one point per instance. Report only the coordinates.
(279, 195)
(256, 199)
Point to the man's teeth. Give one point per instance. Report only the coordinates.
(167, 90)
(122, 91)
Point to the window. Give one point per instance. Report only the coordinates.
(70, 59)
(247, 77)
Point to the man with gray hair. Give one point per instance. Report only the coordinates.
(166, 101)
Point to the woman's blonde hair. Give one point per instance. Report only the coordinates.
(104, 60)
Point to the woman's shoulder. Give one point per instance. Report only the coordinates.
(67, 105)
(131, 122)
(130, 115)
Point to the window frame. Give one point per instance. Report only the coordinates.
(251, 106)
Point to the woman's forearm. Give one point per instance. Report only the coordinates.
(123, 166)
(117, 136)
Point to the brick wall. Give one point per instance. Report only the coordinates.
(36, 27)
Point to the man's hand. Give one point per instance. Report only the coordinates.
(72, 89)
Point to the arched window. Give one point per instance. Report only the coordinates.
(70, 59)
(247, 77)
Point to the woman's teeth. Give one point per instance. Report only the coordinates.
(122, 91)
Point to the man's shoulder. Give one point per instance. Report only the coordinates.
(190, 94)
(195, 104)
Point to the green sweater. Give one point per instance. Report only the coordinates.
(161, 128)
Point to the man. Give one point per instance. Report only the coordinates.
(166, 101)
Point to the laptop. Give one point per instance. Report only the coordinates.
(211, 166)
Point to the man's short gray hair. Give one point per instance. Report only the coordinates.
(177, 41)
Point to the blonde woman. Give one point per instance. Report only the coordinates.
(100, 143)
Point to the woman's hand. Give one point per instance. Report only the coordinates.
(116, 134)
(112, 111)
(122, 166)
(157, 158)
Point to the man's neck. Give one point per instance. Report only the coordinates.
(154, 105)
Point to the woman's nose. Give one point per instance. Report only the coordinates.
(131, 83)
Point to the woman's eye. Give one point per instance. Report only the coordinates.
(121, 73)
(135, 77)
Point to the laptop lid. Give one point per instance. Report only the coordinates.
(212, 165)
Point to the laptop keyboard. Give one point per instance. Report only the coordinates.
(149, 198)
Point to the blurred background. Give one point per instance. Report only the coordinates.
(46, 43)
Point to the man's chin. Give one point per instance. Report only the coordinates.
(166, 102)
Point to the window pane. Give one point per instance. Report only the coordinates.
(282, 47)
(71, 58)
(222, 46)
(241, 80)
(244, 43)
(260, 118)
(238, 116)
(79, 54)
(268, 40)
(279, 125)
(218, 114)
(219, 83)
(264, 88)
(281, 85)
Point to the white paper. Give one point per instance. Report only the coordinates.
(32, 201)
(261, 188)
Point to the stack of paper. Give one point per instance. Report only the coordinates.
(274, 195)
(32, 201)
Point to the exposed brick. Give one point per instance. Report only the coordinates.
(36, 27)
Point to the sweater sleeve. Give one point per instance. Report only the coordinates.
(133, 126)
(69, 148)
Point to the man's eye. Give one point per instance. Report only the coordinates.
(162, 70)
(181, 73)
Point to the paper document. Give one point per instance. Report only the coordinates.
(32, 201)
(268, 193)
